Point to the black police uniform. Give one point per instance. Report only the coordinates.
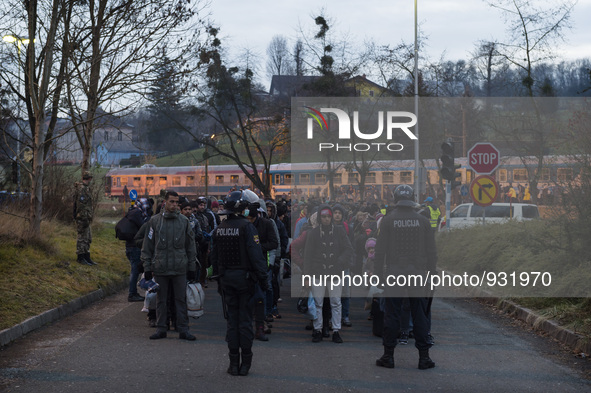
(405, 246)
(238, 260)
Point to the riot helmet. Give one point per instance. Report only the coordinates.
(235, 202)
(404, 195)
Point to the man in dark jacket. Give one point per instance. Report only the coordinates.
(169, 255)
(138, 217)
(204, 223)
(237, 259)
(328, 252)
(405, 246)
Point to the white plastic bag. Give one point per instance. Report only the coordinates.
(195, 298)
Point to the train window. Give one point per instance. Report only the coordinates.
(176, 180)
(124, 181)
(149, 181)
(406, 177)
(119, 136)
(370, 178)
(235, 179)
(564, 174)
(353, 178)
(502, 175)
(337, 178)
(277, 179)
(118, 181)
(387, 177)
(304, 178)
(545, 175)
(163, 181)
(320, 178)
(287, 178)
(106, 137)
(190, 180)
(203, 180)
(219, 179)
(137, 181)
(520, 174)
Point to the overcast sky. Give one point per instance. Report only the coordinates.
(452, 26)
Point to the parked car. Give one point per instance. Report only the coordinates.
(470, 214)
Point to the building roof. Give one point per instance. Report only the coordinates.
(290, 85)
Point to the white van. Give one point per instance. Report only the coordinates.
(470, 214)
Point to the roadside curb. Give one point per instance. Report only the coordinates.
(60, 312)
(563, 335)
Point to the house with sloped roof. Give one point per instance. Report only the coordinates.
(287, 86)
(113, 140)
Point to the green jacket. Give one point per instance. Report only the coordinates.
(169, 245)
(83, 203)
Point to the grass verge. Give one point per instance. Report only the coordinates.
(41, 275)
(536, 246)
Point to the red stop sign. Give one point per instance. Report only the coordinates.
(483, 158)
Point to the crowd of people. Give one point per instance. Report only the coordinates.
(253, 243)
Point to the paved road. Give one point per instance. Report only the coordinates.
(105, 348)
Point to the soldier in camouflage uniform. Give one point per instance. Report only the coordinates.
(83, 217)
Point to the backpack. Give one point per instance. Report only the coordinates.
(126, 229)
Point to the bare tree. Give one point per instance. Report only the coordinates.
(394, 64)
(116, 48)
(278, 57)
(490, 66)
(248, 131)
(533, 33)
(43, 75)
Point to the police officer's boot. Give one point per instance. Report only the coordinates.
(87, 257)
(387, 359)
(81, 260)
(245, 365)
(234, 367)
(425, 361)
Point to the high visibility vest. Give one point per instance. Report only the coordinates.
(435, 213)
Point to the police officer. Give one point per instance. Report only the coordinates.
(238, 261)
(405, 246)
(83, 216)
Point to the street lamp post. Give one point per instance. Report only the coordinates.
(10, 39)
(416, 72)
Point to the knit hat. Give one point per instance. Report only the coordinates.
(370, 243)
(215, 204)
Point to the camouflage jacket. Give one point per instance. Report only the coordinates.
(83, 203)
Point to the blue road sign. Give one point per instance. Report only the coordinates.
(464, 190)
(133, 195)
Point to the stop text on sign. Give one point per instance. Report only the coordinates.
(483, 158)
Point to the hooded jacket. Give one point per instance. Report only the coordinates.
(282, 231)
(328, 249)
(169, 245)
